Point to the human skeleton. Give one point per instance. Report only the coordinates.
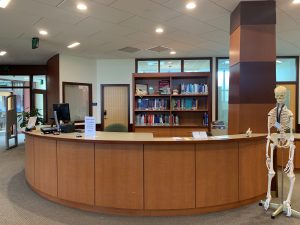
(281, 118)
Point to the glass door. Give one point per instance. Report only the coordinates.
(39, 102)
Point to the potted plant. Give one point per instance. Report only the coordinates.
(24, 116)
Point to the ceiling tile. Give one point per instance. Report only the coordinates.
(205, 10)
(43, 10)
(217, 36)
(50, 2)
(142, 24)
(100, 11)
(146, 9)
(190, 24)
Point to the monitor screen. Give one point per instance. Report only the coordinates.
(62, 111)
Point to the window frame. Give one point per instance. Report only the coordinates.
(181, 59)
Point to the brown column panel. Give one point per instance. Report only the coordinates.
(244, 116)
(252, 82)
(52, 84)
(252, 13)
(257, 43)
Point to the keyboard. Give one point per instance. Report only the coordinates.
(48, 130)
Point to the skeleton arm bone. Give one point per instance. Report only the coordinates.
(268, 160)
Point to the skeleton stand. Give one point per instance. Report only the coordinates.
(279, 208)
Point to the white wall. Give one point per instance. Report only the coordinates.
(81, 70)
(115, 71)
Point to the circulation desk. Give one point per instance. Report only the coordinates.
(136, 174)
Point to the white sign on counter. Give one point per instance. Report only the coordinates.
(89, 126)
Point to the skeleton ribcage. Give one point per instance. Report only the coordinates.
(285, 118)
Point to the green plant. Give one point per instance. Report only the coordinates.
(23, 117)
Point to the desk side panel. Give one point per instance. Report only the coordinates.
(216, 174)
(76, 171)
(29, 159)
(119, 176)
(252, 169)
(169, 176)
(45, 165)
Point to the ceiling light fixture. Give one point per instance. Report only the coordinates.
(81, 6)
(2, 53)
(4, 3)
(43, 32)
(73, 45)
(159, 30)
(296, 1)
(190, 5)
(172, 52)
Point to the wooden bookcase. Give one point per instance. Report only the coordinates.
(157, 109)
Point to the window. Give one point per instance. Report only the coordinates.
(147, 66)
(14, 81)
(39, 82)
(223, 89)
(169, 66)
(173, 65)
(286, 69)
(192, 65)
(78, 92)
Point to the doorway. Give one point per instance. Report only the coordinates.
(115, 104)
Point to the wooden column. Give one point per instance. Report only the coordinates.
(252, 66)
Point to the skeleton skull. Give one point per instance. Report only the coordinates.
(280, 94)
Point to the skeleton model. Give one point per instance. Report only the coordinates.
(281, 118)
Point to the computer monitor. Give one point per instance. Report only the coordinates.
(62, 112)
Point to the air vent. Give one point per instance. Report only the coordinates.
(159, 49)
(129, 49)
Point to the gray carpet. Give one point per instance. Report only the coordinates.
(20, 205)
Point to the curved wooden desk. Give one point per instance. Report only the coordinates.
(136, 174)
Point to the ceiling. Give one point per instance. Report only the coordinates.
(109, 25)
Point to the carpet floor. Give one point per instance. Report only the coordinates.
(20, 205)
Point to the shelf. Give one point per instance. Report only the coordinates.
(189, 110)
(172, 126)
(157, 96)
(189, 95)
(195, 103)
(152, 110)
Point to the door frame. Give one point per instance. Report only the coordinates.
(102, 86)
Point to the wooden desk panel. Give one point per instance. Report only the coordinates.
(119, 176)
(169, 176)
(29, 159)
(252, 169)
(76, 171)
(45, 165)
(216, 174)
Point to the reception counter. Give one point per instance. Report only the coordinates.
(136, 174)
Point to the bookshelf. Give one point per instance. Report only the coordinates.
(171, 104)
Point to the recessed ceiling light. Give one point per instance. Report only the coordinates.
(73, 45)
(81, 6)
(159, 30)
(172, 52)
(190, 5)
(43, 32)
(4, 3)
(296, 1)
(2, 53)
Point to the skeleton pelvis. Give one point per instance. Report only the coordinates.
(281, 140)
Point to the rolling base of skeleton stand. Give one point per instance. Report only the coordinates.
(279, 208)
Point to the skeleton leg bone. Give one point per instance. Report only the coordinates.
(271, 174)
